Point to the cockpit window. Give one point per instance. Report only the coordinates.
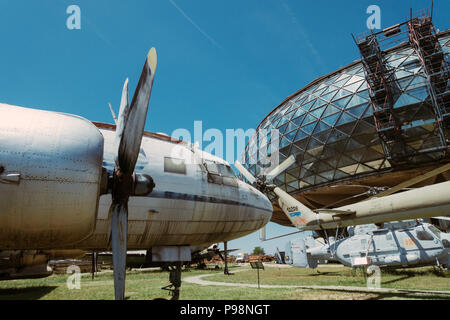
(424, 235)
(435, 231)
(212, 167)
(219, 173)
(226, 171)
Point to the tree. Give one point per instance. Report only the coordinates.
(258, 250)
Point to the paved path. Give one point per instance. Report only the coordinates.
(199, 280)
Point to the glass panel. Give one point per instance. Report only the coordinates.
(354, 87)
(322, 136)
(354, 79)
(210, 166)
(291, 135)
(284, 142)
(342, 102)
(291, 126)
(356, 100)
(341, 83)
(299, 112)
(321, 127)
(329, 96)
(330, 89)
(331, 120)
(419, 93)
(318, 112)
(319, 103)
(405, 100)
(342, 76)
(363, 87)
(345, 118)
(362, 168)
(298, 121)
(309, 128)
(309, 118)
(330, 110)
(357, 111)
(301, 135)
(418, 81)
(341, 93)
(336, 135)
(308, 105)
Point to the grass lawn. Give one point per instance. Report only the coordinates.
(147, 284)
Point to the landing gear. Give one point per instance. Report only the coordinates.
(225, 271)
(175, 280)
(94, 265)
(439, 269)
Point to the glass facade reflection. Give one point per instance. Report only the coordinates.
(329, 125)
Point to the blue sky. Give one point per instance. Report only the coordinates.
(227, 63)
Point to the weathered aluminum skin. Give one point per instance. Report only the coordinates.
(183, 209)
(59, 159)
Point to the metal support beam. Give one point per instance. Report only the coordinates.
(413, 181)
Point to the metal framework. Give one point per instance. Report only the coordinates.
(383, 93)
(419, 33)
(424, 41)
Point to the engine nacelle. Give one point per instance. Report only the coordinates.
(50, 176)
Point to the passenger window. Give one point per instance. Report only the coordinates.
(173, 165)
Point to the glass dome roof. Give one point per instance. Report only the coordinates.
(329, 125)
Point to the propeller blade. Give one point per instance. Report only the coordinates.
(119, 228)
(262, 234)
(123, 116)
(280, 168)
(134, 116)
(244, 172)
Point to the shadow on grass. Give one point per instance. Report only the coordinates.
(409, 296)
(30, 293)
(332, 273)
(399, 279)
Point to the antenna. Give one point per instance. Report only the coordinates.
(112, 112)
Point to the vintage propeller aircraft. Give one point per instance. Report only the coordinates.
(70, 186)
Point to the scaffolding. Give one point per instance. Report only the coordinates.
(418, 33)
(424, 40)
(384, 91)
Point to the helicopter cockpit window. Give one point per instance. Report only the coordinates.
(435, 231)
(424, 235)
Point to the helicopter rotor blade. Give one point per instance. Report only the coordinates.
(280, 168)
(245, 172)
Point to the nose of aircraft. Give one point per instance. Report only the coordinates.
(320, 252)
(446, 240)
(258, 200)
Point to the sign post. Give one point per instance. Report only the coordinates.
(257, 265)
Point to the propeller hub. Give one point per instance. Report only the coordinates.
(143, 185)
(123, 186)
